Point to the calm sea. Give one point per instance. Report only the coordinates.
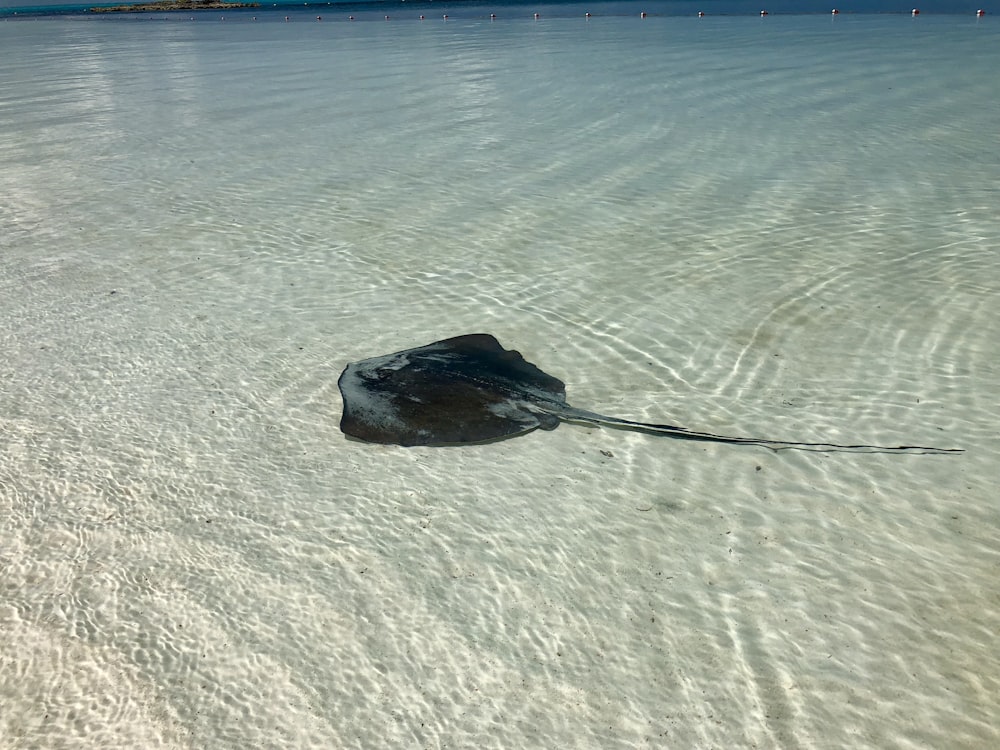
(784, 227)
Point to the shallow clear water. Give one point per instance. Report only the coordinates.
(786, 229)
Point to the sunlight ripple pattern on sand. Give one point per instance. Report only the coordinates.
(785, 228)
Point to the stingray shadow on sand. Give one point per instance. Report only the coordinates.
(469, 389)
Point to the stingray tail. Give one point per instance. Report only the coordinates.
(682, 433)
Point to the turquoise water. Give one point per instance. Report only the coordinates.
(509, 9)
(783, 228)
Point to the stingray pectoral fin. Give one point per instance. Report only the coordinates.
(572, 414)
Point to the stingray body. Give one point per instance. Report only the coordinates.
(469, 389)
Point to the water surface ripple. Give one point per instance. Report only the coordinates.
(785, 229)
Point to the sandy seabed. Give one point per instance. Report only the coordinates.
(786, 230)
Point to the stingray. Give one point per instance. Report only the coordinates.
(469, 389)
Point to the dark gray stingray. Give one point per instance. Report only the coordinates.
(469, 389)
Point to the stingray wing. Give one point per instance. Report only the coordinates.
(467, 389)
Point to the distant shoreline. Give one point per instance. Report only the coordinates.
(166, 5)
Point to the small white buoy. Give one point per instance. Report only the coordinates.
(537, 16)
(642, 14)
(915, 12)
(763, 13)
(980, 13)
(701, 14)
(835, 12)
(586, 15)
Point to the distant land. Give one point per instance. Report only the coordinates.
(172, 5)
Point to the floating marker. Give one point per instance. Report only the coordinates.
(701, 14)
(586, 15)
(763, 13)
(980, 13)
(537, 16)
(835, 12)
(915, 12)
(642, 14)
